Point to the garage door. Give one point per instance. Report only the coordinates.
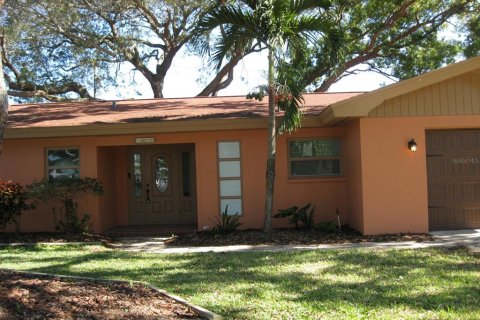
(453, 164)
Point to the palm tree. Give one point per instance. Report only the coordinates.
(3, 94)
(282, 27)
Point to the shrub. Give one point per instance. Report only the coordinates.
(13, 200)
(296, 216)
(66, 190)
(327, 226)
(228, 223)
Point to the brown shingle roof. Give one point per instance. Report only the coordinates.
(153, 110)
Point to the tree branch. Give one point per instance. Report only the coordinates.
(48, 92)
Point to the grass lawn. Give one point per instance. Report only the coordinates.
(341, 284)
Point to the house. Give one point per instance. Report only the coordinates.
(181, 161)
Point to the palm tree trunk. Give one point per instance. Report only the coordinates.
(3, 97)
(267, 225)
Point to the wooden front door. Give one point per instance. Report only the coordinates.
(162, 185)
(453, 166)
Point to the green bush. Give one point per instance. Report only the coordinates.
(296, 216)
(66, 191)
(13, 201)
(228, 223)
(327, 226)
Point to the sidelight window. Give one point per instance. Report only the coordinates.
(230, 177)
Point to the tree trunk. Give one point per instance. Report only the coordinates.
(270, 175)
(3, 98)
(157, 87)
(17, 225)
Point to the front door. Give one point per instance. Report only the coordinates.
(162, 185)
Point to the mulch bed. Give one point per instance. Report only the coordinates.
(25, 296)
(50, 237)
(288, 236)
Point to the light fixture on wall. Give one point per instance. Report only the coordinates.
(412, 145)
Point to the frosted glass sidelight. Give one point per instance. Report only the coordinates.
(186, 174)
(234, 206)
(229, 150)
(230, 188)
(229, 169)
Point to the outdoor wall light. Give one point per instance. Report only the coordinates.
(412, 145)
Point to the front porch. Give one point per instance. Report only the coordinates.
(149, 189)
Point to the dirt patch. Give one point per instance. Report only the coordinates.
(288, 236)
(50, 237)
(25, 296)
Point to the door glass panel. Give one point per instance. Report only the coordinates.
(186, 173)
(137, 175)
(161, 174)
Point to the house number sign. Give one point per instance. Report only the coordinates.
(144, 140)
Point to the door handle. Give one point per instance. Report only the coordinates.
(148, 194)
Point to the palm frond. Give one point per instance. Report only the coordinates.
(312, 25)
(233, 39)
(300, 6)
(291, 76)
(227, 15)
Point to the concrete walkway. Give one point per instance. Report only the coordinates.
(470, 238)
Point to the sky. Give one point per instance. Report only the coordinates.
(184, 79)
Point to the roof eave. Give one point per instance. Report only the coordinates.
(180, 126)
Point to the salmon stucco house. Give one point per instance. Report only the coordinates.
(181, 161)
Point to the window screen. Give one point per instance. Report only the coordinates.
(314, 157)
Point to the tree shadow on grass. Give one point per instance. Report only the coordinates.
(424, 280)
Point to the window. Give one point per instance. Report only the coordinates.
(137, 175)
(186, 166)
(230, 177)
(318, 157)
(63, 162)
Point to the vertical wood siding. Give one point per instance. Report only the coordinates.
(456, 96)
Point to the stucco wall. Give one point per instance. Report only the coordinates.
(23, 161)
(353, 172)
(106, 217)
(394, 179)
